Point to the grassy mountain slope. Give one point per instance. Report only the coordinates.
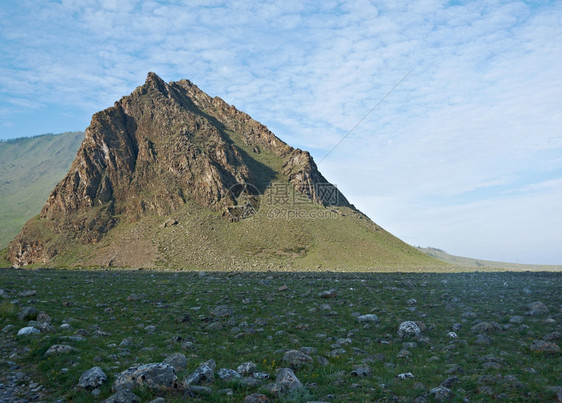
(30, 168)
(342, 239)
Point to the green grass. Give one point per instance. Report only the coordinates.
(31, 167)
(271, 321)
(324, 238)
(8, 310)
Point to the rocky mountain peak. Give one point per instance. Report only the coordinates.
(156, 149)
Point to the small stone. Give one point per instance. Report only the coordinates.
(250, 382)
(226, 374)
(283, 288)
(485, 327)
(200, 390)
(468, 315)
(214, 327)
(455, 369)
(450, 381)
(256, 398)
(176, 360)
(412, 301)
(308, 350)
(261, 376)
(46, 327)
(92, 378)
(483, 340)
(123, 396)
(537, 308)
(452, 335)
(542, 346)
(203, 374)
(369, 318)
(440, 393)
(336, 352)
(328, 294)
(287, 379)
(42, 317)
(247, 368)
(551, 336)
(185, 318)
(223, 311)
(28, 313)
(361, 371)
(405, 375)
(210, 363)
(408, 329)
(491, 365)
(155, 376)
(170, 222)
(516, 319)
(28, 330)
(59, 349)
(296, 359)
(272, 389)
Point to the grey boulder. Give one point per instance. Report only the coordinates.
(287, 379)
(92, 378)
(155, 376)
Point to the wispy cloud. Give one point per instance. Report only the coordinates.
(479, 111)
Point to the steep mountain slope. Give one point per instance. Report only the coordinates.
(30, 168)
(171, 177)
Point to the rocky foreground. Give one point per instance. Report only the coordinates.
(122, 336)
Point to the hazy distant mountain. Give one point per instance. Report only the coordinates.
(170, 177)
(30, 168)
(480, 263)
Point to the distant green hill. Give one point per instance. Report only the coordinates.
(30, 168)
(483, 264)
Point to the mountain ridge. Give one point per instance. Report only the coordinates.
(168, 149)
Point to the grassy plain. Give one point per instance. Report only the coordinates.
(105, 307)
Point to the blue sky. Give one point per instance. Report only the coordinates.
(465, 154)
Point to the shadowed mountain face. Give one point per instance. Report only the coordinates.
(155, 150)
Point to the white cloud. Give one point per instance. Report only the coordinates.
(479, 110)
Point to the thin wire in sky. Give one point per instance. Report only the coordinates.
(365, 117)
